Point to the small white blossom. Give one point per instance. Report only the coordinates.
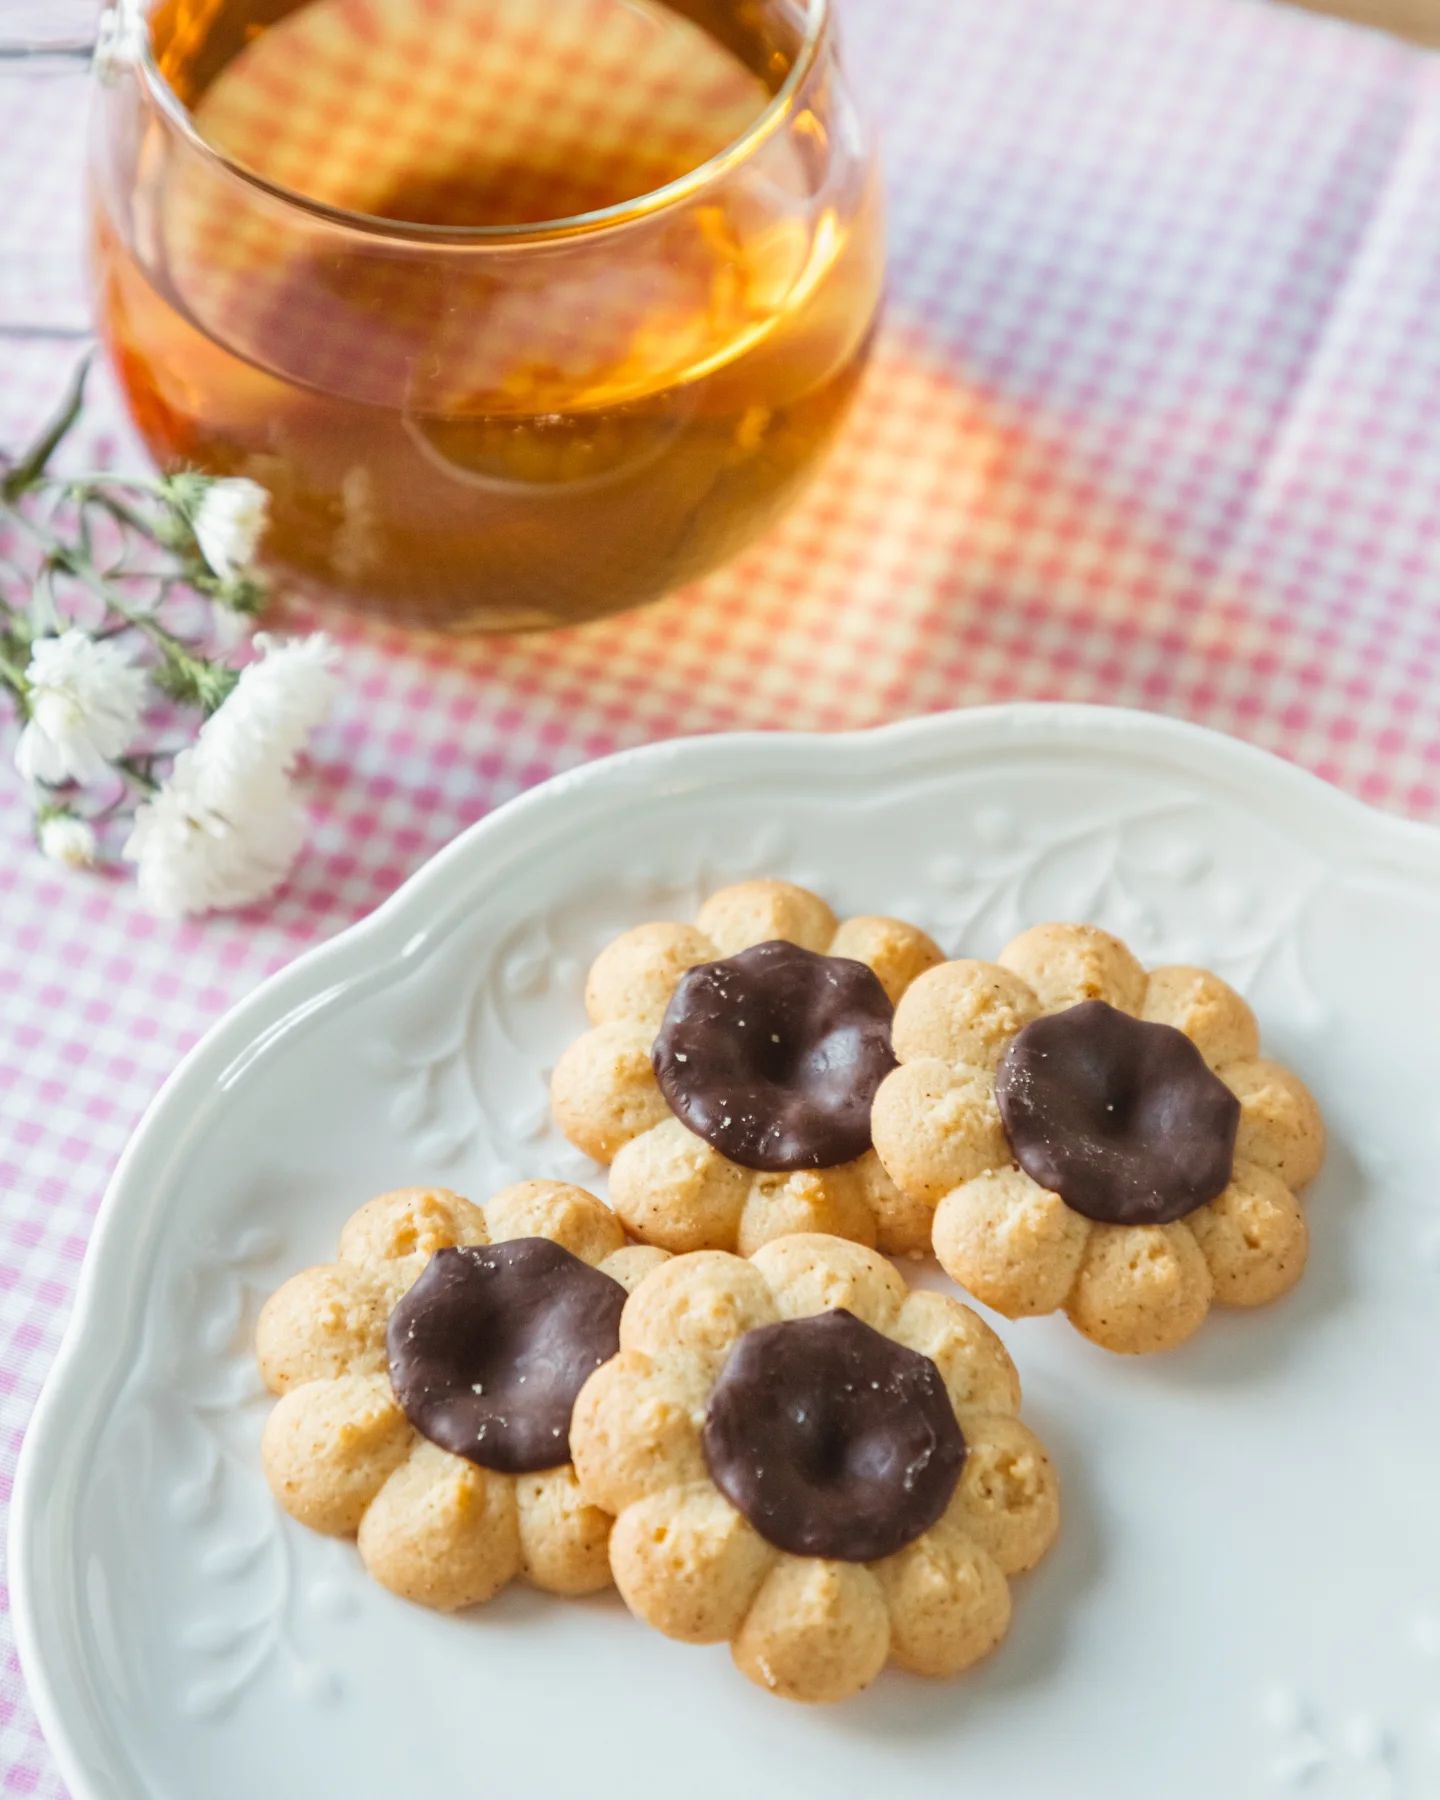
(197, 848)
(226, 828)
(83, 701)
(229, 524)
(278, 701)
(66, 839)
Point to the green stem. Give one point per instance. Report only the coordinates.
(141, 777)
(193, 679)
(32, 466)
(58, 553)
(98, 480)
(61, 558)
(117, 509)
(13, 675)
(21, 580)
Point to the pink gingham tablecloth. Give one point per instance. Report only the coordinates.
(1156, 421)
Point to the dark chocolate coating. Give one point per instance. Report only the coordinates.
(774, 1055)
(832, 1439)
(1122, 1118)
(492, 1344)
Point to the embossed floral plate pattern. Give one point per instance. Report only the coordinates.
(1246, 1592)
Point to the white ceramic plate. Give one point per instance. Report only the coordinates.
(1246, 1593)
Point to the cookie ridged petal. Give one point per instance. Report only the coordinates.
(442, 1532)
(1067, 964)
(688, 1564)
(673, 1189)
(833, 1201)
(1011, 1243)
(935, 1125)
(330, 1446)
(604, 1092)
(633, 977)
(1140, 1288)
(635, 1430)
(325, 1322)
(817, 1631)
(948, 1600)
(974, 1365)
(1254, 1237)
(564, 1540)
(1211, 1014)
(758, 912)
(568, 1216)
(1008, 1497)
(963, 1012)
(1280, 1123)
(410, 1222)
(810, 1273)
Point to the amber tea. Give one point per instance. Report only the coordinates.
(522, 312)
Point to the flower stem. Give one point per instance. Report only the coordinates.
(99, 480)
(117, 509)
(60, 556)
(185, 677)
(10, 571)
(131, 769)
(20, 476)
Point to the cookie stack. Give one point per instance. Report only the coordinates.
(722, 1394)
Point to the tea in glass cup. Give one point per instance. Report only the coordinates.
(523, 313)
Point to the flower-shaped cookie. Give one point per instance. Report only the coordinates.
(426, 1382)
(811, 1463)
(731, 1068)
(1098, 1139)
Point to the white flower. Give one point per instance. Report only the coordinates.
(83, 699)
(226, 828)
(196, 848)
(69, 840)
(229, 524)
(278, 701)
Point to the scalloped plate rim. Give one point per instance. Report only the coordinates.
(50, 1448)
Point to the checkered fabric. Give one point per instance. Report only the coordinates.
(1156, 421)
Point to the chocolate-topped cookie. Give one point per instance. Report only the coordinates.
(1119, 1116)
(780, 1441)
(491, 1345)
(728, 1074)
(1096, 1137)
(774, 1055)
(490, 1319)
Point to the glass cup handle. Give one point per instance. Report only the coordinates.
(69, 32)
(37, 30)
(120, 40)
(44, 42)
(35, 49)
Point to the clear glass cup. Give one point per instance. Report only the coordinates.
(522, 315)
